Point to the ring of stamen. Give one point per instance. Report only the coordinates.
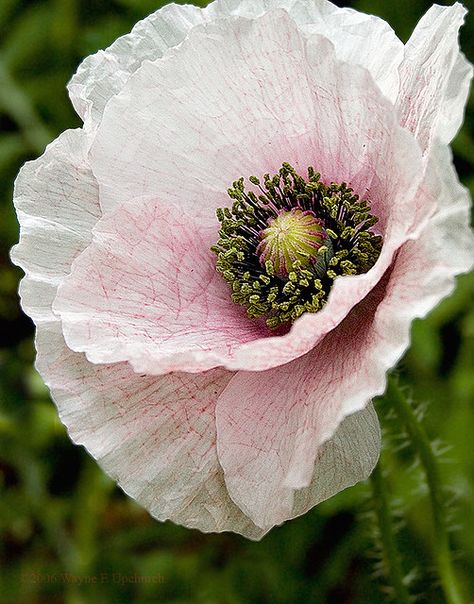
(282, 244)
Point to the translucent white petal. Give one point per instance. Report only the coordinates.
(56, 198)
(156, 437)
(434, 77)
(362, 39)
(103, 74)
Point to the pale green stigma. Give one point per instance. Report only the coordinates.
(291, 240)
(283, 242)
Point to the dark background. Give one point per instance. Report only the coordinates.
(62, 521)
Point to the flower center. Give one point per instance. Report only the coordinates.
(282, 244)
(291, 240)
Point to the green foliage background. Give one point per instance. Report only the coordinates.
(62, 521)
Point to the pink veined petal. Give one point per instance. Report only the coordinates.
(56, 199)
(358, 38)
(268, 441)
(154, 436)
(146, 290)
(364, 39)
(319, 116)
(425, 270)
(249, 112)
(290, 101)
(434, 77)
(270, 425)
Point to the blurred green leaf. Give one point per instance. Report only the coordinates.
(26, 37)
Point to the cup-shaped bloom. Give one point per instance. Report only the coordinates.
(197, 407)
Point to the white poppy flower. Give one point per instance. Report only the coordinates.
(197, 408)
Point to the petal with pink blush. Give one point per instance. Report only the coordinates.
(425, 270)
(57, 194)
(363, 39)
(249, 112)
(292, 101)
(146, 291)
(434, 77)
(268, 441)
(271, 425)
(320, 117)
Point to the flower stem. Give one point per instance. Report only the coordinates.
(390, 553)
(429, 462)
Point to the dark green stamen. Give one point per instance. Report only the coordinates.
(282, 245)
